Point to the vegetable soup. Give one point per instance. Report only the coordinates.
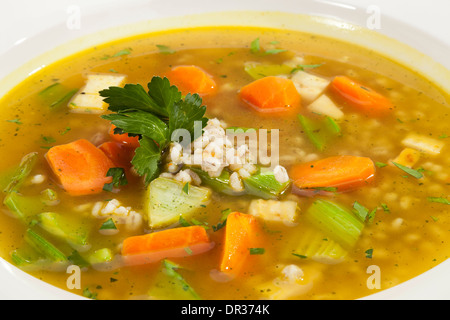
(225, 163)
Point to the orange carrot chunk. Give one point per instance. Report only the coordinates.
(345, 173)
(132, 141)
(361, 97)
(170, 243)
(242, 234)
(119, 153)
(192, 79)
(271, 95)
(80, 167)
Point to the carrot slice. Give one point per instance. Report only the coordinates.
(120, 154)
(192, 79)
(361, 97)
(170, 243)
(344, 173)
(80, 167)
(271, 95)
(242, 233)
(132, 141)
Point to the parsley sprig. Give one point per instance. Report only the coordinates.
(155, 116)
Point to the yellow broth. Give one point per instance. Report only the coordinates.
(402, 249)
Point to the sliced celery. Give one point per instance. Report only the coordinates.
(43, 246)
(73, 233)
(101, 256)
(315, 245)
(258, 71)
(56, 95)
(265, 186)
(169, 284)
(166, 201)
(23, 208)
(219, 184)
(320, 131)
(23, 171)
(336, 222)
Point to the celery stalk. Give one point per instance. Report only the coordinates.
(169, 284)
(265, 186)
(336, 221)
(26, 165)
(43, 246)
(220, 184)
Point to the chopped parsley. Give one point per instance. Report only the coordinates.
(415, 173)
(369, 253)
(255, 251)
(165, 49)
(439, 200)
(108, 225)
(255, 48)
(118, 179)
(155, 116)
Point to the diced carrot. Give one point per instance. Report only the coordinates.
(119, 153)
(361, 97)
(169, 243)
(80, 167)
(272, 95)
(345, 173)
(242, 233)
(132, 141)
(192, 79)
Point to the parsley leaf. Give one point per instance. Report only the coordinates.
(416, 174)
(118, 178)
(147, 159)
(154, 116)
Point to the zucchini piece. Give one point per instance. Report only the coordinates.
(55, 224)
(167, 201)
(170, 284)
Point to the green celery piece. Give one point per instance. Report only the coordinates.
(61, 227)
(56, 95)
(321, 131)
(23, 208)
(101, 256)
(23, 171)
(166, 202)
(258, 71)
(43, 246)
(220, 184)
(264, 185)
(315, 245)
(336, 222)
(169, 284)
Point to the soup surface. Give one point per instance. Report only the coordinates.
(354, 200)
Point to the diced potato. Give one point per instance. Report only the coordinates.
(325, 106)
(274, 210)
(309, 86)
(423, 144)
(408, 157)
(88, 99)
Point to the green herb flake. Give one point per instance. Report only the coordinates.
(302, 67)
(118, 179)
(188, 250)
(165, 49)
(255, 46)
(186, 188)
(360, 211)
(416, 174)
(16, 121)
(369, 253)
(256, 251)
(381, 164)
(301, 256)
(108, 225)
(439, 200)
